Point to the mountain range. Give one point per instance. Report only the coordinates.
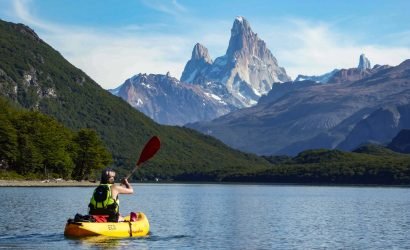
(363, 105)
(211, 88)
(245, 99)
(168, 101)
(35, 77)
(248, 69)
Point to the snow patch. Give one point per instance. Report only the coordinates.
(147, 85)
(257, 92)
(213, 96)
(239, 18)
(252, 102)
(139, 102)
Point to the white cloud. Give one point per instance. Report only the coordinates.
(21, 11)
(308, 48)
(169, 7)
(179, 6)
(111, 60)
(113, 55)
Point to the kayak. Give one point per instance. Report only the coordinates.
(126, 228)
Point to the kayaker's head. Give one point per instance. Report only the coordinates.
(107, 176)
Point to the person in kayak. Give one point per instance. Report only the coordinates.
(105, 197)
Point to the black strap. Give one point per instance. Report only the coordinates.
(129, 223)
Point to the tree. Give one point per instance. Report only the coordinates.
(89, 153)
(29, 159)
(8, 142)
(43, 136)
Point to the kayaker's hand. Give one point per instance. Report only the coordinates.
(125, 182)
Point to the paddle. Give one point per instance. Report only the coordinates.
(149, 151)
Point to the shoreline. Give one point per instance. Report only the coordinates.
(47, 183)
(73, 183)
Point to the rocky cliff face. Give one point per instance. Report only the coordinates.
(167, 101)
(247, 70)
(294, 117)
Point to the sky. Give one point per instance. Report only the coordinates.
(114, 40)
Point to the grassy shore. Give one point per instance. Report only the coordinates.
(47, 183)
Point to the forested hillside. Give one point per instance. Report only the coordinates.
(34, 145)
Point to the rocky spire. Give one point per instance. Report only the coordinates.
(200, 53)
(200, 61)
(252, 61)
(247, 70)
(242, 36)
(364, 63)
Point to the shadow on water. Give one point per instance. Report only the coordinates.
(106, 242)
(33, 241)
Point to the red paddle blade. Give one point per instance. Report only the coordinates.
(149, 150)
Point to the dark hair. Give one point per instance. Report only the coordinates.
(105, 176)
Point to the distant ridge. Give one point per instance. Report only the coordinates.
(366, 106)
(363, 70)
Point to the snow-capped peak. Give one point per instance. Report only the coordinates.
(239, 18)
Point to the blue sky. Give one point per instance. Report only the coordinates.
(113, 40)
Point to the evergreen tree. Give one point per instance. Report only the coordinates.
(8, 142)
(43, 136)
(29, 159)
(89, 154)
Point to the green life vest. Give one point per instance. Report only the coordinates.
(102, 202)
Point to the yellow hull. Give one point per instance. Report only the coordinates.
(114, 229)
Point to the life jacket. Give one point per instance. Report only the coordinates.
(102, 202)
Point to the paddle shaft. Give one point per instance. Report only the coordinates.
(128, 176)
(149, 150)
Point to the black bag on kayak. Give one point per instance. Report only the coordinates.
(82, 218)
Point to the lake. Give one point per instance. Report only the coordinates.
(218, 216)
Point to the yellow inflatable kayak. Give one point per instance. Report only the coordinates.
(127, 228)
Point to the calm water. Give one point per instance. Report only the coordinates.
(219, 217)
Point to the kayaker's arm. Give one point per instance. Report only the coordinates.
(126, 189)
